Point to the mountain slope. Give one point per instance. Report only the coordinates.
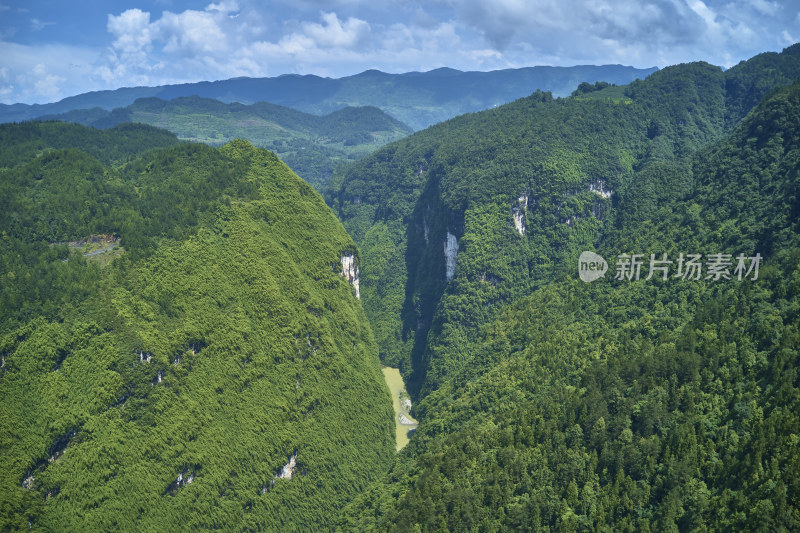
(418, 99)
(514, 193)
(638, 405)
(217, 373)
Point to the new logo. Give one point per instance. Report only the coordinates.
(591, 266)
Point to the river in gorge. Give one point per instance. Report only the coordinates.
(404, 423)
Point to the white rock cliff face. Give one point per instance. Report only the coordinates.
(350, 272)
(599, 187)
(518, 212)
(450, 253)
(288, 469)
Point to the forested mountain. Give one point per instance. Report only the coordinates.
(311, 145)
(626, 404)
(180, 348)
(595, 302)
(418, 99)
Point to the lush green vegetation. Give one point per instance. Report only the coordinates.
(549, 404)
(311, 145)
(21, 143)
(168, 389)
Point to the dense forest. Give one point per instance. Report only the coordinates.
(313, 146)
(546, 403)
(182, 346)
(215, 372)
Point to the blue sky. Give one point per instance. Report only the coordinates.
(50, 49)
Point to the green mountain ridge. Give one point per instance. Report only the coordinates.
(418, 99)
(218, 373)
(311, 145)
(400, 203)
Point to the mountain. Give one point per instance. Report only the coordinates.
(418, 99)
(627, 404)
(311, 145)
(181, 346)
(594, 301)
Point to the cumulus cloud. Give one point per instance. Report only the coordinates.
(353, 45)
(188, 40)
(43, 73)
(191, 32)
(507, 21)
(132, 31)
(354, 33)
(654, 31)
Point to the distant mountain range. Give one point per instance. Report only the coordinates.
(418, 99)
(312, 145)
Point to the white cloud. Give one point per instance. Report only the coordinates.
(186, 42)
(350, 46)
(226, 6)
(44, 73)
(559, 21)
(39, 25)
(765, 7)
(132, 30)
(191, 32)
(47, 85)
(353, 33)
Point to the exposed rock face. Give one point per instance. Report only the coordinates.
(405, 420)
(350, 272)
(450, 253)
(599, 187)
(288, 469)
(518, 213)
(184, 478)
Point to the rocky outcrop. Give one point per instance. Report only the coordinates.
(403, 419)
(186, 477)
(288, 469)
(599, 187)
(350, 272)
(518, 214)
(450, 254)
